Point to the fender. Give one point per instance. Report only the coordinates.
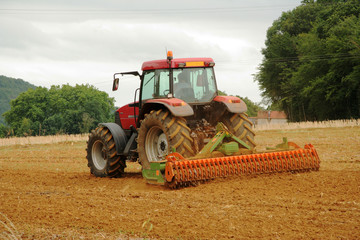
(177, 107)
(119, 136)
(233, 104)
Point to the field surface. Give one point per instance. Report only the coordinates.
(46, 192)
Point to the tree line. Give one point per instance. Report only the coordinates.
(58, 110)
(311, 64)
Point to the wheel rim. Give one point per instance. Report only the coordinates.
(98, 154)
(156, 144)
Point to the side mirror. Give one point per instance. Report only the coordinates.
(115, 84)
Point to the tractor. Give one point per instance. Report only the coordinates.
(179, 117)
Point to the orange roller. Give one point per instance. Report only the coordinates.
(181, 172)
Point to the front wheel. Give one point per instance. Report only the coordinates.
(102, 157)
(161, 133)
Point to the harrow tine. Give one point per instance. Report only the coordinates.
(275, 159)
(214, 171)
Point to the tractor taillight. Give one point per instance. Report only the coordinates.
(178, 104)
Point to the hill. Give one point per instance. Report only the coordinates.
(10, 88)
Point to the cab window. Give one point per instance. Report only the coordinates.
(155, 84)
(194, 84)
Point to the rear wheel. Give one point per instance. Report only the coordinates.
(102, 157)
(160, 133)
(240, 125)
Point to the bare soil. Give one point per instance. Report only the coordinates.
(47, 192)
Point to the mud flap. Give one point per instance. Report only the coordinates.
(232, 104)
(119, 136)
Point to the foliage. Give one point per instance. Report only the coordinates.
(10, 88)
(311, 66)
(221, 93)
(5, 131)
(252, 108)
(65, 109)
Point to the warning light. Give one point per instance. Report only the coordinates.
(169, 55)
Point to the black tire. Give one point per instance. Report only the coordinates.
(240, 125)
(102, 157)
(159, 134)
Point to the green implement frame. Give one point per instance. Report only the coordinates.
(154, 175)
(223, 141)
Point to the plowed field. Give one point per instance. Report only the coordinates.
(46, 192)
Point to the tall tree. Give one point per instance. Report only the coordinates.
(312, 60)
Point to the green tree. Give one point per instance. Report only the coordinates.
(64, 109)
(25, 127)
(312, 60)
(5, 131)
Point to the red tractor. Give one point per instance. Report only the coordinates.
(182, 132)
(177, 111)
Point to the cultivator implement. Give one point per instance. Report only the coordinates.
(181, 172)
(177, 171)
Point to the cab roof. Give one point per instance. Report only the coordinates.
(178, 63)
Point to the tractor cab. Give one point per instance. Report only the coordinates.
(192, 84)
(189, 79)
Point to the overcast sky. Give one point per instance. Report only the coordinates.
(86, 41)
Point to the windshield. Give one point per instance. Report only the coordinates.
(194, 84)
(190, 84)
